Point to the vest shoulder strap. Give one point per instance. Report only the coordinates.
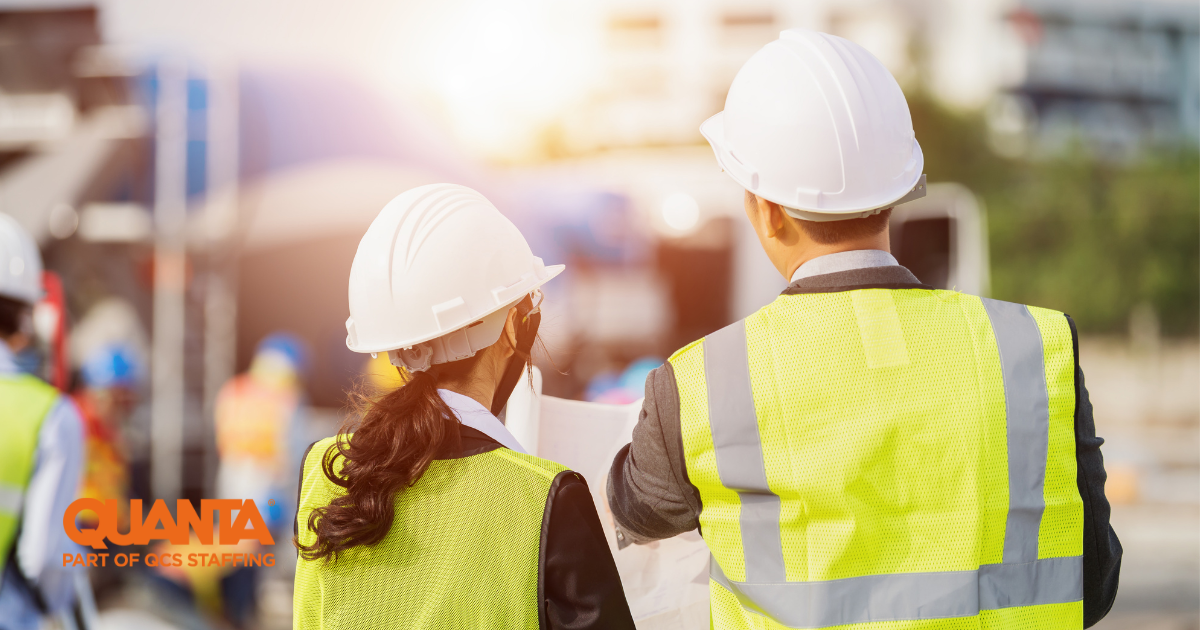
(541, 467)
(684, 350)
(24, 403)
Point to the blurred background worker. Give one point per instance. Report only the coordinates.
(41, 452)
(110, 377)
(427, 512)
(257, 420)
(865, 448)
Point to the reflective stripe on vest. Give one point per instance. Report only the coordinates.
(717, 387)
(463, 550)
(24, 403)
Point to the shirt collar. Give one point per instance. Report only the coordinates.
(844, 261)
(8, 363)
(472, 414)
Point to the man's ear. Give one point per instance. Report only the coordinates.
(771, 216)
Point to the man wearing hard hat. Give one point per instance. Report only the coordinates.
(866, 449)
(41, 452)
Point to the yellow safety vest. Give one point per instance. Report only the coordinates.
(463, 550)
(877, 455)
(24, 403)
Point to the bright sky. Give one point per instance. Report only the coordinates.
(450, 56)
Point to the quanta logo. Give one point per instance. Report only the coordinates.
(214, 514)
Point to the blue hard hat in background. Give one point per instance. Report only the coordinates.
(114, 365)
(288, 345)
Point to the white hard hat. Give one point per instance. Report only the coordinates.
(20, 263)
(435, 276)
(817, 124)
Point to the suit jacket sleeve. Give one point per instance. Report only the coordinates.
(648, 488)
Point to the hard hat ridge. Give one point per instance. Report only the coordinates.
(417, 222)
(435, 276)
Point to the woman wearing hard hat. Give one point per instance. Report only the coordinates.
(426, 512)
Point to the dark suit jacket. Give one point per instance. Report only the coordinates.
(651, 497)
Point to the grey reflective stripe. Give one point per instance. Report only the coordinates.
(1027, 416)
(1045, 581)
(911, 596)
(10, 498)
(739, 453)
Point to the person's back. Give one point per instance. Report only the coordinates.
(864, 431)
(424, 511)
(866, 449)
(457, 555)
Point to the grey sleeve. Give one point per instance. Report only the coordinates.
(648, 489)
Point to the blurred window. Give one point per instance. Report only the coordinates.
(748, 28)
(635, 31)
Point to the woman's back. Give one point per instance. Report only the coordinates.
(425, 512)
(462, 552)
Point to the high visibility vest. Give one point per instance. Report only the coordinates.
(463, 550)
(887, 456)
(24, 403)
(252, 420)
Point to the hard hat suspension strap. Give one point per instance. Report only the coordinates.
(529, 318)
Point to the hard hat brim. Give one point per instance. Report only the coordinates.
(746, 176)
(552, 271)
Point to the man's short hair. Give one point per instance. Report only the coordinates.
(12, 312)
(833, 232)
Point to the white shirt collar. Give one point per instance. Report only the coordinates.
(8, 363)
(844, 261)
(474, 415)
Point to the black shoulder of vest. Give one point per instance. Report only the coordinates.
(578, 583)
(889, 277)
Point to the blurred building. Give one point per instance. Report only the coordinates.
(1118, 76)
(663, 67)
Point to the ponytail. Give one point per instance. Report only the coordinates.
(387, 451)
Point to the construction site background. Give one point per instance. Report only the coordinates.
(198, 175)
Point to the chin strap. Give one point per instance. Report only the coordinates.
(529, 318)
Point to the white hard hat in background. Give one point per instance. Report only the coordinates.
(816, 124)
(20, 263)
(435, 276)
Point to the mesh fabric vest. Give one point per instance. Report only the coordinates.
(462, 552)
(887, 459)
(24, 403)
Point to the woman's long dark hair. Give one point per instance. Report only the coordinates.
(400, 434)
